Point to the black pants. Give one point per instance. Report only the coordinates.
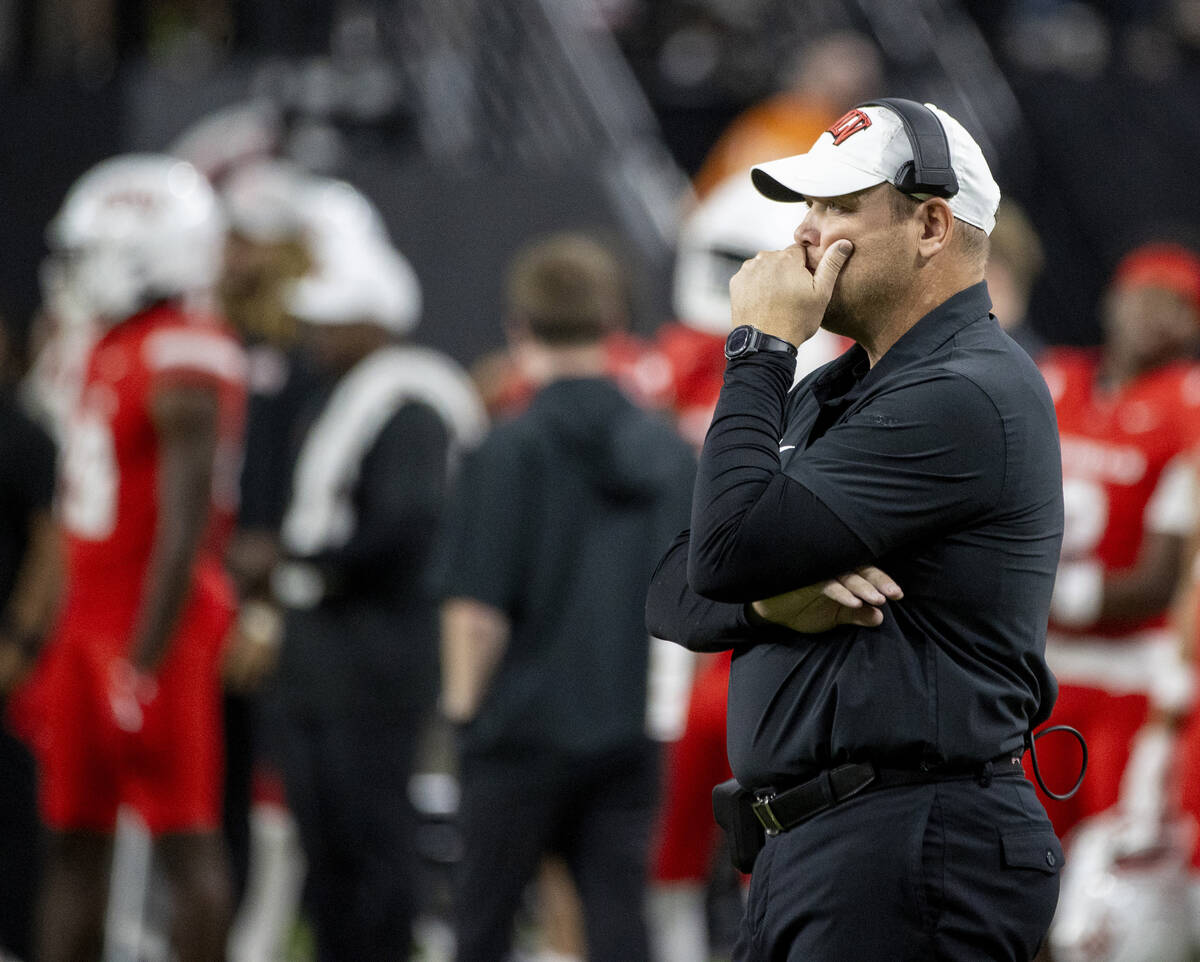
(20, 852)
(347, 785)
(944, 872)
(239, 715)
(596, 812)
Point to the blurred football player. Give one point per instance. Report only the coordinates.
(1129, 417)
(128, 689)
(1185, 772)
(30, 592)
(267, 249)
(1122, 901)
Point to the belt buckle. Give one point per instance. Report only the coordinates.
(763, 812)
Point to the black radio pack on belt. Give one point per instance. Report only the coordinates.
(733, 807)
(750, 817)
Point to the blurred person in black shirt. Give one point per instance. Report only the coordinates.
(357, 676)
(549, 545)
(1015, 261)
(266, 249)
(30, 580)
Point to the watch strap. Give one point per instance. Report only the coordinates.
(769, 342)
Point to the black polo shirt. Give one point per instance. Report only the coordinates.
(27, 458)
(941, 466)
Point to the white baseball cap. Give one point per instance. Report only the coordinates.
(869, 146)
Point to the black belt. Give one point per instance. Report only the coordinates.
(784, 810)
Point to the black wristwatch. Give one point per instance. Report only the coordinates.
(745, 340)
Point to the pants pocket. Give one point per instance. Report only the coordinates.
(1036, 849)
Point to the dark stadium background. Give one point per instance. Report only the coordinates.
(475, 124)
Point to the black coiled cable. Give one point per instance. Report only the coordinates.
(1030, 743)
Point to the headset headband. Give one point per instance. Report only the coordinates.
(930, 171)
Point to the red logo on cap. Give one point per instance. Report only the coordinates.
(851, 122)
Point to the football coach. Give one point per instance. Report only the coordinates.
(878, 545)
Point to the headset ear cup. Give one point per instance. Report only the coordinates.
(904, 179)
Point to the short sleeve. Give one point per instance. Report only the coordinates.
(1171, 509)
(192, 355)
(913, 462)
(480, 551)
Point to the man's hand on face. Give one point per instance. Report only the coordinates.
(855, 598)
(775, 291)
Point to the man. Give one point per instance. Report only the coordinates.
(1015, 262)
(266, 250)
(357, 677)
(1129, 419)
(129, 685)
(558, 518)
(877, 547)
(30, 586)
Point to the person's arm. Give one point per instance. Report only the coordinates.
(914, 462)
(1148, 587)
(473, 639)
(676, 613)
(252, 649)
(478, 572)
(185, 420)
(34, 600)
(746, 514)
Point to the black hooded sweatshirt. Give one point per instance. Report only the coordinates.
(558, 521)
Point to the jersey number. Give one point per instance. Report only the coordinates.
(89, 506)
(1085, 507)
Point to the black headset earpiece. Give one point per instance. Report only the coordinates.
(930, 170)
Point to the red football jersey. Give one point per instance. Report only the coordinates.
(109, 472)
(696, 361)
(1123, 460)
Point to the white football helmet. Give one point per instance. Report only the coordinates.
(732, 224)
(357, 274)
(333, 209)
(137, 228)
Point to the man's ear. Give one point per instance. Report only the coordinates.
(937, 226)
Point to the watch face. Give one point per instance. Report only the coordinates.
(738, 341)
